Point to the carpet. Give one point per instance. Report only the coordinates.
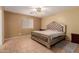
(68, 47)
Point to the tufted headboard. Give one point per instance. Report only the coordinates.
(56, 26)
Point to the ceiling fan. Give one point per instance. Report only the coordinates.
(38, 9)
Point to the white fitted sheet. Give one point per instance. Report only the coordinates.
(51, 33)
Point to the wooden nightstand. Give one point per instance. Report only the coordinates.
(75, 38)
(42, 29)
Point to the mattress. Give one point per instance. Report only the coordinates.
(51, 33)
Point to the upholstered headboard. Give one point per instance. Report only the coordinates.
(56, 26)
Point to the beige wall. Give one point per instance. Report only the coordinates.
(67, 17)
(13, 25)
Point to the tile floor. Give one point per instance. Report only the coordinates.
(24, 44)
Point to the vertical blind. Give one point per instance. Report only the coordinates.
(27, 23)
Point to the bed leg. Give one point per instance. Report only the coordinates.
(48, 46)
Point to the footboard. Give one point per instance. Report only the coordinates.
(43, 39)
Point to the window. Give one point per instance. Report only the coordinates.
(27, 23)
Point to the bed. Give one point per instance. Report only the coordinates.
(54, 33)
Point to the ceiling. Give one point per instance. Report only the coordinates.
(34, 10)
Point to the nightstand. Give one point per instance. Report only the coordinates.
(42, 29)
(75, 38)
